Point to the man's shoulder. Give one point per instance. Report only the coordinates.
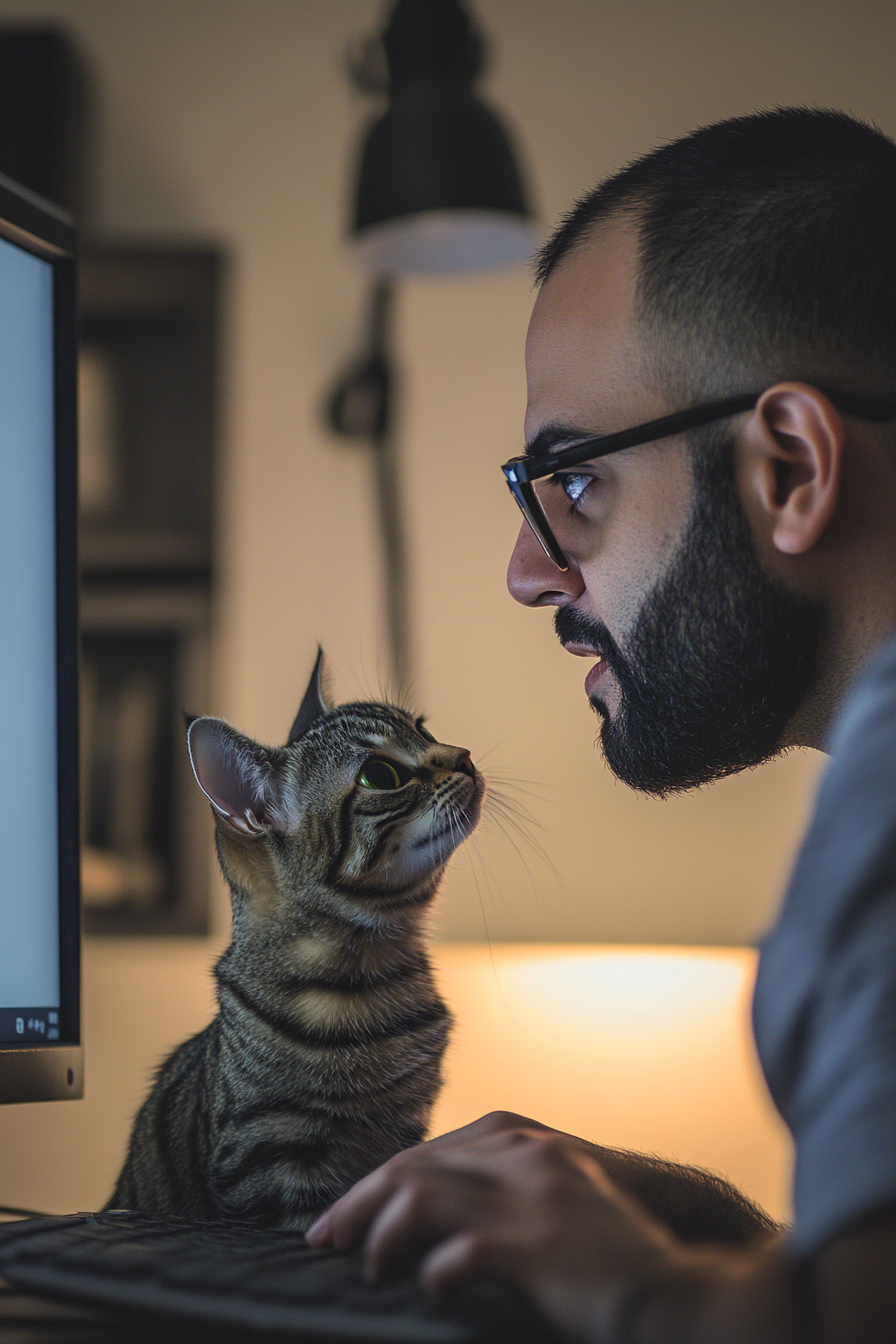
(825, 1005)
(847, 861)
(854, 817)
(869, 712)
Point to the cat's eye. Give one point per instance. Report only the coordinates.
(423, 731)
(380, 774)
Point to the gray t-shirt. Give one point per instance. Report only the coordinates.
(824, 1010)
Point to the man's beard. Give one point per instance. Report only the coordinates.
(719, 658)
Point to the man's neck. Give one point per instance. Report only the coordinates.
(846, 650)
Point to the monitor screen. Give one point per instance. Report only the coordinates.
(29, 841)
(39, 924)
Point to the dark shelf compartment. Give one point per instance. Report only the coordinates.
(147, 385)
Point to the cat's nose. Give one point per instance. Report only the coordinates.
(464, 764)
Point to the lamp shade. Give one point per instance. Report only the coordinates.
(438, 187)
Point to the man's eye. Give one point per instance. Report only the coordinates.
(573, 486)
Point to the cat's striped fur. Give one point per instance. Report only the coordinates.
(325, 1056)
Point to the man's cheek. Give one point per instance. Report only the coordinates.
(615, 597)
(637, 547)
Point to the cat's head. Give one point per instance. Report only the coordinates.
(360, 810)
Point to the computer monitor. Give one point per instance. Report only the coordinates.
(41, 1055)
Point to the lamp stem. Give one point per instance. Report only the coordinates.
(388, 490)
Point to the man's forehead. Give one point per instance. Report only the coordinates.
(583, 355)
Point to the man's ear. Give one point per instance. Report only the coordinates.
(315, 703)
(233, 772)
(796, 439)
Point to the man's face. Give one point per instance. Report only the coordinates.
(700, 659)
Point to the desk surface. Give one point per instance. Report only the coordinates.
(35, 1320)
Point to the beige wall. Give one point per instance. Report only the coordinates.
(230, 120)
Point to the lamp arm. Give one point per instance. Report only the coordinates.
(361, 407)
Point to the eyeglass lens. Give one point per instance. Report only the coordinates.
(532, 509)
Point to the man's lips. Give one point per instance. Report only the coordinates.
(597, 671)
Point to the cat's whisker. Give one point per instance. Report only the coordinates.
(521, 824)
(518, 816)
(495, 890)
(510, 827)
(475, 875)
(530, 788)
(434, 817)
(514, 821)
(519, 853)
(367, 689)
(384, 683)
(472, 853)
(517, 813)
(484, 755)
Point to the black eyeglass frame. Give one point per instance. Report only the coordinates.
(522, 472)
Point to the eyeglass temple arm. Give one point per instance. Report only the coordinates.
(876, 409)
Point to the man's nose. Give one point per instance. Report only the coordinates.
(534, 580)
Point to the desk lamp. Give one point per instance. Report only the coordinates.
(437, 191)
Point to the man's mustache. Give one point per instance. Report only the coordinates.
(574, 627)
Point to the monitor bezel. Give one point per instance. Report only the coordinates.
(55, 1071)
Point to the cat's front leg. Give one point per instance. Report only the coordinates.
(270, 1168)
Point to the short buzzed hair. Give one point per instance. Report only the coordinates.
(767, 251)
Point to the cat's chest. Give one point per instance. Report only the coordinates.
(320, 1015)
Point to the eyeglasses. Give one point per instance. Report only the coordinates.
(522, 472)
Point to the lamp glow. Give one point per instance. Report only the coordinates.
(633, 1047)
(441, 242)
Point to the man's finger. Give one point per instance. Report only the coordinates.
(319, 1234)
(346, 1223)
(453, 1262)
(395, 1231)
(429, 1205)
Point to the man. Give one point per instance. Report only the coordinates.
(731, 575)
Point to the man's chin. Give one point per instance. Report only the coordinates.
(600, 707)
(618, 758)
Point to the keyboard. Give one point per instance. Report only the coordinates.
(251, 1280)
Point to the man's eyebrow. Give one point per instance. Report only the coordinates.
(551, 437)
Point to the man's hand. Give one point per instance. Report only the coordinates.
(695, 1205)
(512, 1200)
(524, 1205)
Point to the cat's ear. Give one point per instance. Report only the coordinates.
(233, 773)
(315, 703)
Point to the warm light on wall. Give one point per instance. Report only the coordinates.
(619, 995)
(636, 1047)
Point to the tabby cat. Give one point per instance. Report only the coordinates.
(325, 1056)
